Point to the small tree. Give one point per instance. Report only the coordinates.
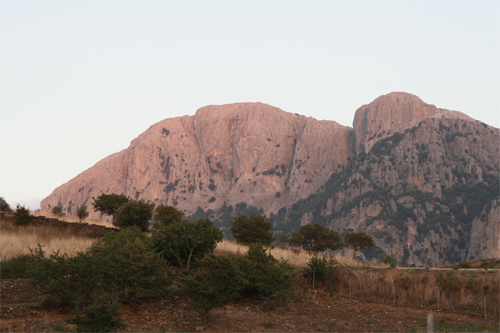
(182, 243)
(134, 212)
(167, 214)
(321, 269)
(82, 213)
(256, 229)
(108, 204)
(216, 281)
(358, 241)
(22, 215)
(265, 275)
(4, 206)
(316, 238)
(57, 211)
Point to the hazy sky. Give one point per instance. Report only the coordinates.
(80, 79)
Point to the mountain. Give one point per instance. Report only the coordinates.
(422, 181)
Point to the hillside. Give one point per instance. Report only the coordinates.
(422, 181)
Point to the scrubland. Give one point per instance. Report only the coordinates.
(459, 291)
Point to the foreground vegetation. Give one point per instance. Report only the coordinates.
(129, 266)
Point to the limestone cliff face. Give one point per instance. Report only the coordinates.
(485, 233)
(422, 181)
(393, 113)
(427, 189)
(246, 152)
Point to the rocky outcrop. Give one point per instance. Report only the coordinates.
(246, 152)
(423, 181)
(394, 113)
(485, 234)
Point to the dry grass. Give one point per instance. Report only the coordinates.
(72, 219)
(294, 256)
(460, 291)
(17, 240)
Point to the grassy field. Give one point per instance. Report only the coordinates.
(18, 240)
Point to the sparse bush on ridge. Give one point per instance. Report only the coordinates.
(4, 205)
(22, 215)
(82, 213)
(57, 211)
(389, 260)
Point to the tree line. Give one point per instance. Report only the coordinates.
(128, 265)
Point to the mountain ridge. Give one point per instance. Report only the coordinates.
(253, 157)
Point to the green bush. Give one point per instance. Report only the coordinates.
(108, 204)
(18, 267)
(265, 275)
(182, 243)
(22, 215)
(134, 213)
(389, 260)
(121, 264)
(167, 214)
(214, 283)
(82, 213)
(4, 205)
(101, 316)
(253, 229)
(57, 211)
(322, 270)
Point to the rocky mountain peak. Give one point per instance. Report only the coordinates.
(393, 113)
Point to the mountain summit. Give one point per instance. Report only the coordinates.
(421, 180)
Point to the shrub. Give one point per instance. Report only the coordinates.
(19, 266)
(121, 264)
(167, 214)
(4, 205)
(265, 275)
(57, 211)
(256, 229)
(134, 213)
(320, 269)
(82, 213)
(102, 316)
(108, 204)
(389, 260)
(22, 215)
(216, 281)
(316, 238)
(182, 243)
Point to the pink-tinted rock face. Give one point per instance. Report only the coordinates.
(245, 152)
(408, 173)
(392, 113)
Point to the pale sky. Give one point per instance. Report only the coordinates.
(79, 80)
